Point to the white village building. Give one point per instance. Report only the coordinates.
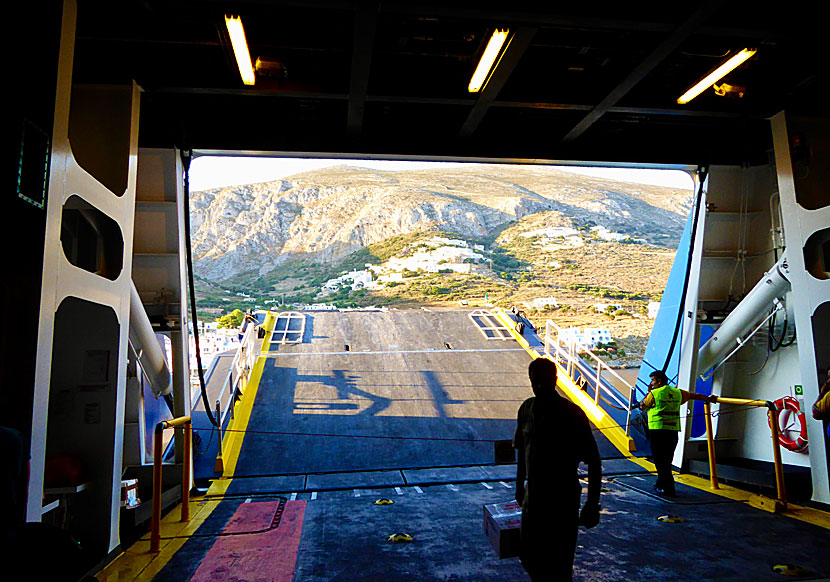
(586, 338)
(355, 279)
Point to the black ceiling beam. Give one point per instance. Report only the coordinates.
(516, 48)
(365, 27)
(678, 112)
(552, 19)
(416, 100)
(657, 56)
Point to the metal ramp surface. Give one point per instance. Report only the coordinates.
(490, 325)
(384, 391)
(380, 390)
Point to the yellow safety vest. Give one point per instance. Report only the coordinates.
(665, 414)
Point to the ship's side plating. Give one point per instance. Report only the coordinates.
(749, 218)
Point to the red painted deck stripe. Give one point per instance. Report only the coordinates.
(262, 557)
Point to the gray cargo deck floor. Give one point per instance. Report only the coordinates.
(344, 537)
(340, 431)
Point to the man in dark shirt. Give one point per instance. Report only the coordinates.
(552, 436)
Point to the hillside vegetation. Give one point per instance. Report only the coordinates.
(538, 233)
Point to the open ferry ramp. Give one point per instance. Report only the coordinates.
(359, 425)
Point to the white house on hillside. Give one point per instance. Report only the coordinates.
(586, 338)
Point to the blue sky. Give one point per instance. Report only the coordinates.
(208, 172)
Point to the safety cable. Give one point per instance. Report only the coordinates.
(611, 404)
(187, 155)
(773, 343)
(703, 173)
(714, 414)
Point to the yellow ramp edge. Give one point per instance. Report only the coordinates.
(235, 435)
(604, 423)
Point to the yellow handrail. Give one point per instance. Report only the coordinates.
(710, 442)
(155, 523)
(742, 401)
(772, 412)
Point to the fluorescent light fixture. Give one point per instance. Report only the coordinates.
(240, 48)
(732, 63)
(488, 58)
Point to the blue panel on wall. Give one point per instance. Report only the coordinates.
(701, 387)
(664, 324)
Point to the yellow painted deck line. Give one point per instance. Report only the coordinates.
(138, 564)
(242, 416)
(218, 487)
(703, 484)
(598, 416)
(799, 512)
(808, 515)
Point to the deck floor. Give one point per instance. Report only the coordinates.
(407, 414)
(344, 537)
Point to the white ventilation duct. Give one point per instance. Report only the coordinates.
(752, 309)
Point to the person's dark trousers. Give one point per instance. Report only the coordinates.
(663, 443)
(548, 538)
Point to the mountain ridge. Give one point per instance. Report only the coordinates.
(327, 214)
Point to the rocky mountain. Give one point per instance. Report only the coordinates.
(328, 214)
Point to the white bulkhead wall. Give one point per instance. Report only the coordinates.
(80, 373)
(734, 251)
(805, 206)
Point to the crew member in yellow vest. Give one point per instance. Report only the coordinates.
(663, 404)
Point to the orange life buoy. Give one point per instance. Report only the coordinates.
(792, 432)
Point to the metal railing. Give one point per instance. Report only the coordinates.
(566, 354)
(772, 412)
(234, 384)
(155, 523)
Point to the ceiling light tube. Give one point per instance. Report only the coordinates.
(488, 58)
(732, 63)
(240, 48)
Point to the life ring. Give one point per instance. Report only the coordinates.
(791, 434)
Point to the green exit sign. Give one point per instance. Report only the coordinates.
(799, 391)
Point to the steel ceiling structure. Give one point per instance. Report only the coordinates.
(578, 81)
